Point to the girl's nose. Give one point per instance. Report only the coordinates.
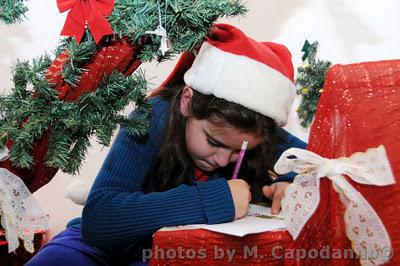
(225, 156)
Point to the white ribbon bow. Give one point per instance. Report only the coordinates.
(20, 213)
(363, 226)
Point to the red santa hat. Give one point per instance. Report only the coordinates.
(235, 67)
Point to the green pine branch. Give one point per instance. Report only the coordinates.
(12, 11)
(186, 22)
(78, 56)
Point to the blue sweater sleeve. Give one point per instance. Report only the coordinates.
(289, 141)
(118, 212)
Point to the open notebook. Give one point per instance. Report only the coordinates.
(258, 219)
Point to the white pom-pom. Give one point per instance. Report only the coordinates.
(77, 191)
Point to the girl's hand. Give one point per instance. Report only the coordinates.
(241, 195)
(276, 192)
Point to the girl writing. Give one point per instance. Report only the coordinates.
(235, 89)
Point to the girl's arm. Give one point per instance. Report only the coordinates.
(117, 212)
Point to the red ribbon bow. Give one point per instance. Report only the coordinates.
(92, 12)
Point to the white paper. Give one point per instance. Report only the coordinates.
(250, 224)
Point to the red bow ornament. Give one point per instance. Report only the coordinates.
(92, 12)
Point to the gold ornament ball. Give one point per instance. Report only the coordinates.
(304, 90)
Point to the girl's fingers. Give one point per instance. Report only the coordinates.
(276, 205)
(268, 191)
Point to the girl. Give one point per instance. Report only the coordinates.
(179, 173)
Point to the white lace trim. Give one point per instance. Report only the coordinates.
(21, 215)
(364, 228)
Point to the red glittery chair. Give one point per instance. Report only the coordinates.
(20, 256)
(359, 109)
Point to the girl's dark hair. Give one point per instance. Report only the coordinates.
(173, 165)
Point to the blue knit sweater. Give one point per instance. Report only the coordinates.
(120, 213)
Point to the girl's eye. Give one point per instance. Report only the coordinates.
(212, 143)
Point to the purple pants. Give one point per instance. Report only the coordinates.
(67, 248)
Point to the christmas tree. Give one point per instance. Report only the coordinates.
(310, 81)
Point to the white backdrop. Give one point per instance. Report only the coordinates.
(348, 32)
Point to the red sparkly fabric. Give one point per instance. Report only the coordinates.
(115, 56)
(359, 109)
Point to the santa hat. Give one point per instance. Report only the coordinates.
(237, 68)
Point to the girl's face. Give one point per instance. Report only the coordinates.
(213, 146)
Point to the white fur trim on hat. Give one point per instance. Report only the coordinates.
(242, 80)
(77, 191)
